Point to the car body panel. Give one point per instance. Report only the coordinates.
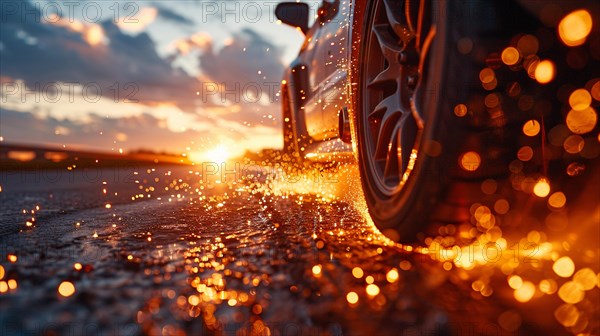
(333, 91)
(325, 56)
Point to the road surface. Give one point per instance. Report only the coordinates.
(185, 251)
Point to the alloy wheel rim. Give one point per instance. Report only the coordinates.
(396, 60)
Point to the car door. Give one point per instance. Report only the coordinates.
(329, 67)
(310, 105)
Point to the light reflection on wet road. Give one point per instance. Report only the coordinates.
(172, 256)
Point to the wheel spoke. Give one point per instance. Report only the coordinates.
(400, 37)
(391, 51)
(387, 76)
(387, 43)
(389, 114)
(393, 160)
(400, 25)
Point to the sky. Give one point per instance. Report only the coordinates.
(176, 76)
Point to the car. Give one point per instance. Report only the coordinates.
(402, 87)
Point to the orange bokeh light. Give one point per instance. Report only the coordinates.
(574, 28)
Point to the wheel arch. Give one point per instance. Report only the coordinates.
(295, 86)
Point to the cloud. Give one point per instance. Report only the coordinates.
(92, 33)
(143, 131)
(244, 74)
(139, 21)
(140, 131)
(172, 16)
(199, 40)
(246, 58)
(38, 52)
(75, 52)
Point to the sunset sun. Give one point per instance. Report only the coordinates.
(216, 154)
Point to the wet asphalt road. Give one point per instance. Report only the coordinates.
(164, 252)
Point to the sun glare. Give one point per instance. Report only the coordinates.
(217, 154)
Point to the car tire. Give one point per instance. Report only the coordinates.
(413, 150)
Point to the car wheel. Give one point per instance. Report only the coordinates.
(409, 140)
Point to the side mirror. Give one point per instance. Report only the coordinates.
(294, 14)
